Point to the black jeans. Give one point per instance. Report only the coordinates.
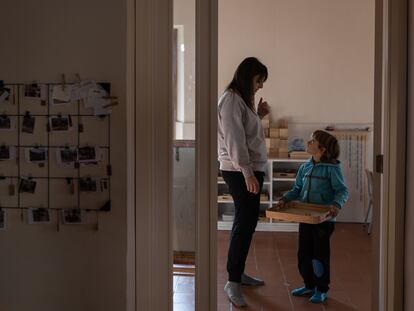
(247, 206)
(314, 254)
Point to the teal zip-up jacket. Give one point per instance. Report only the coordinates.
(319, 183)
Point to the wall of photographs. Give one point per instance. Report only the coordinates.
(55, 151)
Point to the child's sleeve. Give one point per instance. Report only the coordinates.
(339, 187)
(294, 193)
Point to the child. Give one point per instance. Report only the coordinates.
(318, 181)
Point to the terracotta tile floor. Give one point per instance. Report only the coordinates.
(272, 257)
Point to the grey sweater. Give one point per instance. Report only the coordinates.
(241, 141)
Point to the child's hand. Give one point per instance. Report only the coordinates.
(334, 211)
(280, 204)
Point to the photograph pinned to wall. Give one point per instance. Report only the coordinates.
(36, 154)
(67, 156)
(35, 91)
(61, 94)
(39, 216)
(93, 184)
(5, 95)
(28, 124)
(80, 90)
(89, 155)
(7, 153)
(73, 216)
(88, 184)
(60, 123)
(27, 185)
(2, 219)
(99, 102)
(7, 123)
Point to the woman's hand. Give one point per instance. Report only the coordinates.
(252, 184)
(263, 108)
(334, 211)
(280, 204)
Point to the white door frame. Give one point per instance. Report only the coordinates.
(389, 140)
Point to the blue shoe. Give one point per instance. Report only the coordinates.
(302, 291)
(318, 297)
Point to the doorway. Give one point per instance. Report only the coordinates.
(155, 224)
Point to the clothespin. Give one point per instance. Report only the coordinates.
(110, 105)
(58, 220)
(71, 185)
(109, 97)
(63, 82)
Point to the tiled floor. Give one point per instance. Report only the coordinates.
(273, 257)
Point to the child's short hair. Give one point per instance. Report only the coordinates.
(329, 143)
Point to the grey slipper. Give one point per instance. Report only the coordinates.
(249, 280)
(234, 294)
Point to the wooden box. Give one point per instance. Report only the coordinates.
(274, 132)
(300, 212)
(283, 133)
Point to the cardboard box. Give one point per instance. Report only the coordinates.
(283, 133)
(274, 132)
(265, 123)
(300, 212)
(272, 143)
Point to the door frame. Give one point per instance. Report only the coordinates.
(390, 104)
(149, 124)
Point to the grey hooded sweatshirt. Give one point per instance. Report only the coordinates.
(241, 141)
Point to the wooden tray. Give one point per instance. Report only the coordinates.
(300, 212)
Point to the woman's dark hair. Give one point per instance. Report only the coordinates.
(329, 143)
(242, 81)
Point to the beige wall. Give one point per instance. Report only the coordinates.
(320, 55)
(76, 268)
(409, 213)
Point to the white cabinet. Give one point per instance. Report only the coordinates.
(280, 177)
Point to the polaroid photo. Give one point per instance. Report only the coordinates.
(96, 100)
(67, 156)
(7, 153)
(88, 184)
(39, 216)
(36, 155)
(61, 95)
(7, 123)
(88, 154)
(27, 185)
(35, 91)
(80, 90)
(28, 124)
(60, 123)
(5, 95)
(2, 219)
(73, 216)
(104, 184)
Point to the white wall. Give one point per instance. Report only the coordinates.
(184, 17)
(409, 213)
(76, 268)
(320, 55)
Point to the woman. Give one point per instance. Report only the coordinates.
(242, 155)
